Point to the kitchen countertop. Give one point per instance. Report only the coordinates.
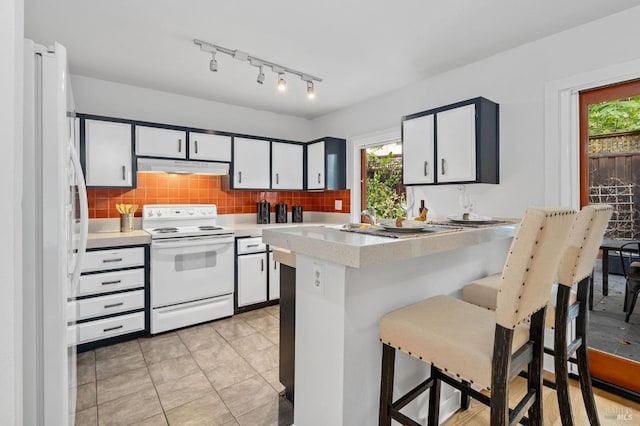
(360, 250)
(115, 238)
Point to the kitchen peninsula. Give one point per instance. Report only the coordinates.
(344, 283)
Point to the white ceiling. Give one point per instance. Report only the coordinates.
(361, 48)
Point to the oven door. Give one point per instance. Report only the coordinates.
(189, 269)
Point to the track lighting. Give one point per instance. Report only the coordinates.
(213, 64)
(260, 78)
(282, 82)
(260, 64)
(311, 94)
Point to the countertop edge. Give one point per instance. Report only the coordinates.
(376, 251)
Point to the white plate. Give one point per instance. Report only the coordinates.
(473, 218)
(403, 229)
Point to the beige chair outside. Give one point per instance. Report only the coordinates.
(468, 344)
(574, 271)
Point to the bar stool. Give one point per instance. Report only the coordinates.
(465, 343)
(575, 268)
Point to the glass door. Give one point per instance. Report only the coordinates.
(610, 173)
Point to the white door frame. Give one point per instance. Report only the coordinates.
(562, 129)
(357, 143)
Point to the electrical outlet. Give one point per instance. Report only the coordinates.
(338, 204)
(318, 278)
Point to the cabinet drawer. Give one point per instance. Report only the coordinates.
(110, 281)
(113, 259)
(105, 305)
(102, 329)
(251, 245)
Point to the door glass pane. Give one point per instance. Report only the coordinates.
(191, 261)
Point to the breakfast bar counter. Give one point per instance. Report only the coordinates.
(344, 283)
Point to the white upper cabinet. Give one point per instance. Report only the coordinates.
(108, 159)
(286, 166)
(315, 166)
(204, 146)
(418, 150)
(157, 142)
(456, 136)
(251, 161)
(457, 143)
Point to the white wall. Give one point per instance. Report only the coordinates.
(11, 36)
(100, 97)
(516, 80)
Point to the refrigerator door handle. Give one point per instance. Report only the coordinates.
(84, 215)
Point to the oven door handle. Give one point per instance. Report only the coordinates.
(191, 243)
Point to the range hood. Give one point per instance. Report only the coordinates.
(182, 166)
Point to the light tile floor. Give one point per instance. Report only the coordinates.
(222, 372)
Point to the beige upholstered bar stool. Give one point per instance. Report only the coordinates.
(574, 271)
(465, 342)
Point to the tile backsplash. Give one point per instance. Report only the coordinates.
(163, 188)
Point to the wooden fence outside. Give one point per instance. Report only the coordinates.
(614, 177)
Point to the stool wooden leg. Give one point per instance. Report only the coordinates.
(560, 358)
(534, 381)
(584, 374)
(386, 384)
(500, 376)
(465, 398)
(434, 398)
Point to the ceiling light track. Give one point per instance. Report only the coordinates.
(281, 70)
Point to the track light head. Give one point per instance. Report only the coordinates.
(213, 64)
(282, 82)
(311, 94)
(260, 78)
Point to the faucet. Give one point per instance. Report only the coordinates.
(371, 215)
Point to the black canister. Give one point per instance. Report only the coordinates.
(296, 214)
(263, 212)
(281, 213)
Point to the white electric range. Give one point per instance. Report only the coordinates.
(191, 271)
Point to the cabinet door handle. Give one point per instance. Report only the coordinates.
(426, 164)
(442, 165)
(179, 145)
(239, 177)
(261, 264)
(119, 259)
(277, 178)
(252, 245)
(196, 146)
(318, 177)
(124, 173)
(113, 305)
(275, 265)
(111, 282)
(112, 328)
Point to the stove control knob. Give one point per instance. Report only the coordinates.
(159, 213)
(149, 213)
(190, 211)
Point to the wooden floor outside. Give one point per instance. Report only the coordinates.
(612, 410)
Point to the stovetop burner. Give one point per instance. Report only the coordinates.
(208, 228)
(165, 230)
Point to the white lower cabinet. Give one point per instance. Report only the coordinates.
(274, 278)
(252, 279)
(110, 298)
(257, 274)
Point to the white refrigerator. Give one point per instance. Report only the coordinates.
(55, 221)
